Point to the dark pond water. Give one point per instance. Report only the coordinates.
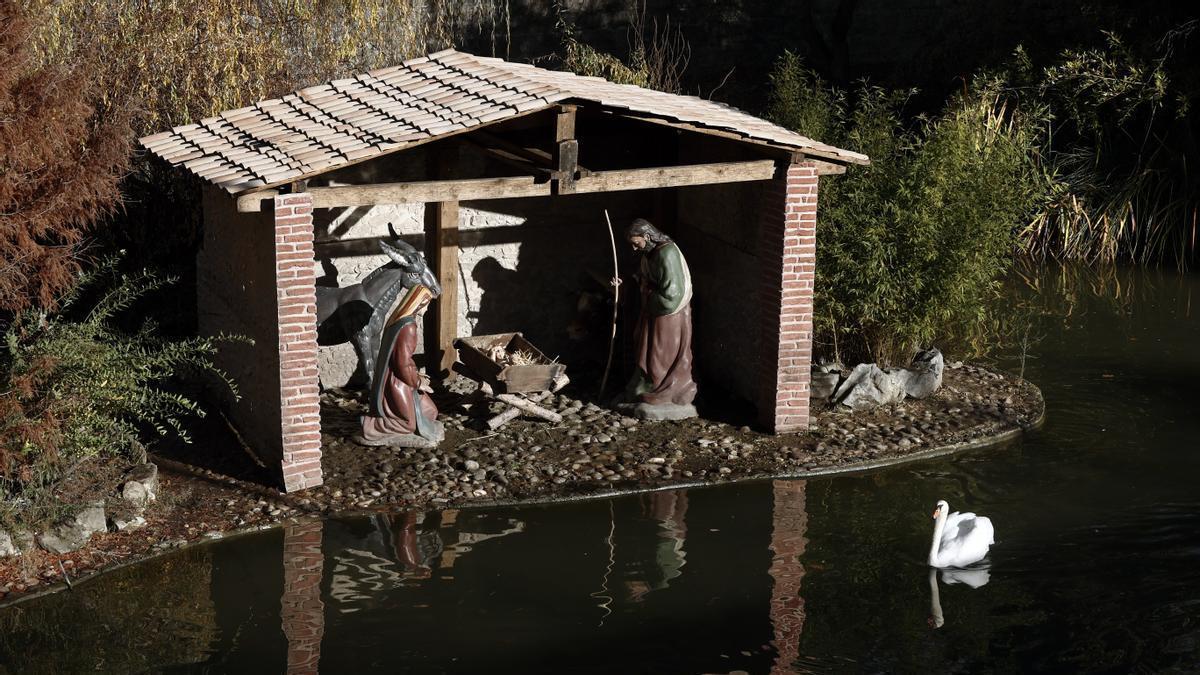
(1097, 566)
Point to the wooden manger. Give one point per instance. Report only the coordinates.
(512, 370)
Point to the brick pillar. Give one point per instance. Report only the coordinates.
(296, 302)
(787, 253)
(302, 612)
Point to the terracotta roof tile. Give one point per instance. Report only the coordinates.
(326, 126)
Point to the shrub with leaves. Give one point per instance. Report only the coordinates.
(909, 249)
(64, 145)
(75, 387)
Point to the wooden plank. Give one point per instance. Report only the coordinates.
(446, 268)
(507, 187)
(676, 176)
(535, 155)
(506, 157)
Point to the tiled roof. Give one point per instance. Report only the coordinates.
(321, 128)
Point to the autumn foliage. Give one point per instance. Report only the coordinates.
(62, 154)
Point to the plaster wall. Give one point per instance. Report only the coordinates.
(236, 295)
(717, 230)
(523, 262)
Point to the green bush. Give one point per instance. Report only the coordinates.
(909, 249)
(75, 387)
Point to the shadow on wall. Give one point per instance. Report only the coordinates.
(536, 266)
(555, 289)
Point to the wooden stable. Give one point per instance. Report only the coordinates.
(528, 133)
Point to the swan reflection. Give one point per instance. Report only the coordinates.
(975, 578)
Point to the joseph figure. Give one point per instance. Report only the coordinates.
(661, 387)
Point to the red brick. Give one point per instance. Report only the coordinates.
(302, 456)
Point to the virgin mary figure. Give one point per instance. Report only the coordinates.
(401, 413)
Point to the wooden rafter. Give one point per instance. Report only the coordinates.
(507, 157)
(829, 156)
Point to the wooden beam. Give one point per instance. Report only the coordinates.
(442, 355)
(676, 176)
(253, 202)
(510, 187)
(828, 168)
(507, 187)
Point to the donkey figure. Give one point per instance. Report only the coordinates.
(357, 313)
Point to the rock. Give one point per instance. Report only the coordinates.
(471, 465)
(141, 485)
(7, 547)
(924, 375)
(867, 386)
(121, 524)
(24, 540)
(71, 534)
(663, 412)
(823, 384)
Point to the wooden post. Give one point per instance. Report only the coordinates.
(440, 340)
(566, 149)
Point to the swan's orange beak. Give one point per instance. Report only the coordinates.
(935, 512)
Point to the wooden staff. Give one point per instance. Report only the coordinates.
(616, 284)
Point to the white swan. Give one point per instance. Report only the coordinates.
(959, 539)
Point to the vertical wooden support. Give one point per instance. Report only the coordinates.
(445, 310)
(566, 149)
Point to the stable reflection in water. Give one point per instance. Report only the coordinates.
(401, 564)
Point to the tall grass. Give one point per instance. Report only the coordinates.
(1116, 157)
